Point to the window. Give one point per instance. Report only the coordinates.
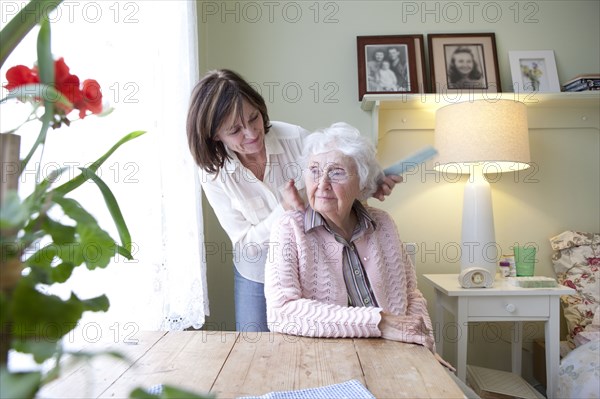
(144, 55)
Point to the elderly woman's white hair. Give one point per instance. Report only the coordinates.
(347, 139)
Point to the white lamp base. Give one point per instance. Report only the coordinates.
(478, 244)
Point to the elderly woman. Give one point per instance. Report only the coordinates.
(339, 269)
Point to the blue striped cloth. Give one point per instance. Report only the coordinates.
(352, 389)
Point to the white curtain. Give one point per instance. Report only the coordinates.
(144, 55)
(185, 281)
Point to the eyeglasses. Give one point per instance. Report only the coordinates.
(334, 174)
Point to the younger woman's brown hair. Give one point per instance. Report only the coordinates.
(215, 98)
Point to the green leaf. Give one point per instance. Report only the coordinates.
(18, 385)
(60, 233)
(44, 54)
(62, 272)
(124, 252)
(43, 317)
(29, 237)
(71, 252)
(41, 139)
(140, 393)
(13, 213)
(97, 304)
(46, 72)
(40, 348)
(18, 27)
(40, 263)
(43, 257)
(97, 247)
(4, 308)
(39, 200)
(74, 210)
(79, 180)
(38, 90)
(33, 232)
(113, 207)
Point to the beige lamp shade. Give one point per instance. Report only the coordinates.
(483, 131)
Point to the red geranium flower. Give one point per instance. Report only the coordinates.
(66, 83)
(91, 98)
(83, 97)
(20, 75)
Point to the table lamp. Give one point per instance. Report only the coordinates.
(478, 137)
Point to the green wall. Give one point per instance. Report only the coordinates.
(302, 55)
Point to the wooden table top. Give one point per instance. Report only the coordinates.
(232, 364)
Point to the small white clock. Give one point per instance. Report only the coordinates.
(475, 277)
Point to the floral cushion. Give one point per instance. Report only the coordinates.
(576, 261)
(579, 373)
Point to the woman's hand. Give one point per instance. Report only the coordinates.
(411, 330)
(386, 185)
(291, 199)
(406, 329)
(444, 363)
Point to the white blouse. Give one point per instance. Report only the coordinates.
(247, 207)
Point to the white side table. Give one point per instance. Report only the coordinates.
(502, 302)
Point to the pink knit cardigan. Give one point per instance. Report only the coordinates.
(305, 289)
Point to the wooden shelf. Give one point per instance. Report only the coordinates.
(579, 110)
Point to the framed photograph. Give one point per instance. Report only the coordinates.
(534, 71)
(390, 64)
(463, 62)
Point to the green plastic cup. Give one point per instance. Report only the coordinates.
(524, 260)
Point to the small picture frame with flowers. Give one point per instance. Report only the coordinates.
(534, 71)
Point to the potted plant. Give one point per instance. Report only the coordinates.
(36, 247)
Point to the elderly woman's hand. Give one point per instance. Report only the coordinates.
(444, 362)
(405, 329)
(409, 329)
(291, 199)
(386, 185)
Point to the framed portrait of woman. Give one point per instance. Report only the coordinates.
(463, 62)
(390, 64)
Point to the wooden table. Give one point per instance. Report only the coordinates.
(231, 364)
